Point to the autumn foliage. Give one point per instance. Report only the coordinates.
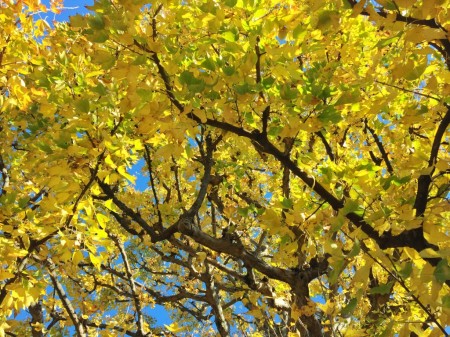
(257, 168)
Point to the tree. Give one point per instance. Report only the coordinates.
(294, 153)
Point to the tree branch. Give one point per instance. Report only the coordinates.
(79, 328)
(164, 75)
(214, 298)
(258, 65)
(148, 161)
(327, 145)
(130, 280)
(37, 317)
(424, 180)
(380, 146)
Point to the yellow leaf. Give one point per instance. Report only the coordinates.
(174, 327)
(201, 256)
(102, 220)
(61, 197)
(38, 92)
(419, 34)
(110, 162)
(405, 3)
(138, 145)
(77, 257)
(271, 218)
(122, 171)
(442, 165)
(37, 326)
(432, 233)
(111, 206)
(96, 260)
(94, 73)
(4, 274)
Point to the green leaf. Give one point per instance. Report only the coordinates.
(103, 58)
(96, 22)
(287, 203)
(228, 71)
(268, 82)
(187, 77)
(243, 89)
(82, 105)
(350, 207)
(327, 18)
(442, 271)
(243, 211)
(230, 3)
(288, 93)
(212, 95)
(209, 64)
(139, 60)
(348, 97)
(400, 181)
(195, 85)
(44, 147)
(416, 72)
(406, 271)
(63, 142)
(299, 32)
(355, 249)
(349, 308)
(446, 301)
(197, 88)
(330, 115)
(338, 267)
(9, 198)
(387, 330)
(383, 289)
(100, 89)
(327, 174)
(386, 42)
(248, 116)
(274, 130)
(23, 202)
(98, 36)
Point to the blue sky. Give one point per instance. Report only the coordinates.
(71, 7)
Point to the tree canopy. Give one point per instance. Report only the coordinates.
(256, 167)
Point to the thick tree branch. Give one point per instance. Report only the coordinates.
(214, 299)
(424, 180)
(165, 234)
(236, 250)
(37, 319)
(412, 238)
(135, 216)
